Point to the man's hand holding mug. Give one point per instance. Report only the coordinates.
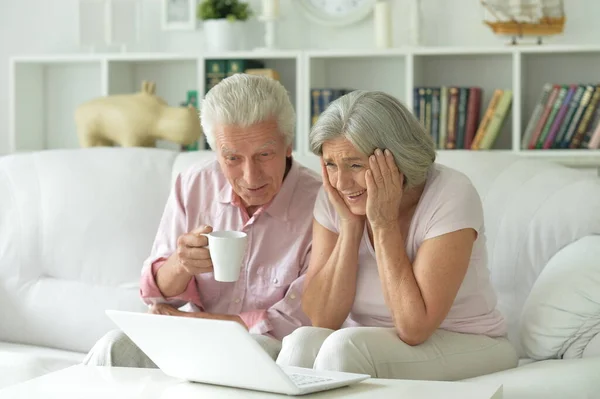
(205, 251)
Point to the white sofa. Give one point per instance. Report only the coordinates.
(75, 226)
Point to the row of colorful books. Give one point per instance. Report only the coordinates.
(451, 115)
(565, 116)
(320, 98)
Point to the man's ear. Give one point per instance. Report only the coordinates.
(288, 151)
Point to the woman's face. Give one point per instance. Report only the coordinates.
(346, 167)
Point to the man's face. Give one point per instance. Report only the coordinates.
(253, 160)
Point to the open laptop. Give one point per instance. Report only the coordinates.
(220, 353)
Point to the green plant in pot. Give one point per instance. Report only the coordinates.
(224, 22)
(232, 10)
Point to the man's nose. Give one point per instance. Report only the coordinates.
(252, 173)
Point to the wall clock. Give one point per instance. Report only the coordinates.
(336, 12)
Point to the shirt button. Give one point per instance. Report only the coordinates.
(292, 296)
(237, 300)
(275, 281)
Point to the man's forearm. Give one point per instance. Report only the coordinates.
(172, 280)
(212, 316)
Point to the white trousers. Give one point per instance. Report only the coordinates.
(117, 350)
(379, 352)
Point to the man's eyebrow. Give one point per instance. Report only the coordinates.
(270, 143)
(267, 144)
(227, 150)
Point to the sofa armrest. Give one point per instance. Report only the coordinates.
(561, 315)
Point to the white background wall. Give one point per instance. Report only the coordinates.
(50, 27)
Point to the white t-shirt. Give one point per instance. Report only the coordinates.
(449, 203)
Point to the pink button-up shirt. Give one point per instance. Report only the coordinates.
(268, 292)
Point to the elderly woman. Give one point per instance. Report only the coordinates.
(398, 285)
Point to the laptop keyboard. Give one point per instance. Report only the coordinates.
(303, 379)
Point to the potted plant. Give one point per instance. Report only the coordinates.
(223, 23)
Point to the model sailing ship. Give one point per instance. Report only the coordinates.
(519, 18)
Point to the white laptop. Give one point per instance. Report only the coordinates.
(220, 353)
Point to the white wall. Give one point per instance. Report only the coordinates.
(50, 26)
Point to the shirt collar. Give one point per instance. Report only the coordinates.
(279, 205)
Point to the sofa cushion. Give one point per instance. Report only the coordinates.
(562, 313)
(593, 347)
(548, 379)
(20, 363)
(532, 209)
(75, 228)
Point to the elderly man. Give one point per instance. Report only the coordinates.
(254, 186)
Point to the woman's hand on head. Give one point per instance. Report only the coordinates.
(347, 218)
(384, 189)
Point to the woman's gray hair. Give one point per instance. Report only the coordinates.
(245, 100)
(374, 119)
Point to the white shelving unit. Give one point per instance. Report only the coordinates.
(45, 90)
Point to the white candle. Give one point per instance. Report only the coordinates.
(270, 8)
(383, 24)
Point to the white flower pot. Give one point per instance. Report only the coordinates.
(223, 35)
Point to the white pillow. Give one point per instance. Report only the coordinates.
(562, 313)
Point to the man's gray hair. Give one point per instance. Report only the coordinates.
(244, 100)
(374, 119)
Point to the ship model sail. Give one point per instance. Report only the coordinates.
(519, 18)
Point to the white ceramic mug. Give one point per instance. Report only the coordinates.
(227, 250)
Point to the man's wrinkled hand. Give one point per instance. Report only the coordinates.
(165, 309)
(193, 255)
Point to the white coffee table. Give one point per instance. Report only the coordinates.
(116, 383)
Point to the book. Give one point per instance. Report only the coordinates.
(443, 123)
(215, 72)
(497, 120)
(234, 66)
(487, 118)
(435, 115)
(268, 72)
(461, 119)
(569, 116)
(574, 123)
(558, 101)
(320, 98)
(452, 118)
(558, 121)
(473, 110)
(585, 119)
(546, 109)
(535, 116)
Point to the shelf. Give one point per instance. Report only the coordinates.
(574, 158)
(564, 68)
(51, 86)
(126, 74)
(45, 96)
(509, 51)
(259, 54)
(369, 53)
(287, 65)
(494, 72)
(360, 73)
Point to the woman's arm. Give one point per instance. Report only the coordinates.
(420, 295)
(330, 283)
